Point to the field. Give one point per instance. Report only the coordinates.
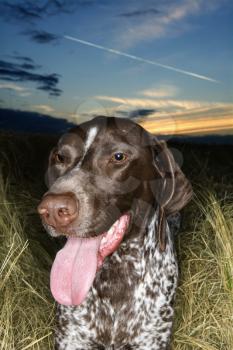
(204, 303)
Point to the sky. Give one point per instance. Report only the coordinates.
(166, 64)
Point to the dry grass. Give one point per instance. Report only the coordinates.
(204, 304)
(27, 311)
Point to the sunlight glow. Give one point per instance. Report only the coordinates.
(181, 126)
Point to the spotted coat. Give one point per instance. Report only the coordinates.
(141, 316)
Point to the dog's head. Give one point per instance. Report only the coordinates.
(105, 178)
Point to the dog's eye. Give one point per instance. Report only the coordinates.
(119, 157)
(59, 158)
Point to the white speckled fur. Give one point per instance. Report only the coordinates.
(145, 328)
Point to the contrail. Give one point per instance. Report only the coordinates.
(140, 59)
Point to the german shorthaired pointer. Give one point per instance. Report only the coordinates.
(112, 187)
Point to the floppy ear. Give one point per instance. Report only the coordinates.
(173, 190)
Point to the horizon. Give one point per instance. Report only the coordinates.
(165, 65)
(24, 122)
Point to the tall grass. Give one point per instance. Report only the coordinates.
(27, 310)
(204, 305)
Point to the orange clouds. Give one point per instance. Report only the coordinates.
(177, 117)
(180, 126)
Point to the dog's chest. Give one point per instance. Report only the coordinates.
(130, 304)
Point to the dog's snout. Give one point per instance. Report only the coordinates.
(58, 210)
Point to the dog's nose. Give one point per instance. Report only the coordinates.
(58, 210)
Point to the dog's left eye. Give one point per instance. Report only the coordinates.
(119, 157)
(59, 158)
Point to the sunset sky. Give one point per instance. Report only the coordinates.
(167, 64)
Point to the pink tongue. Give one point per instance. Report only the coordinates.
(74, 270)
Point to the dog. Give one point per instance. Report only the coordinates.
(113, 187)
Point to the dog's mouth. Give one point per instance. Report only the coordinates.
(76, 264)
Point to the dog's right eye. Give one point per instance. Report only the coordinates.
(59, 158)
(119, 157)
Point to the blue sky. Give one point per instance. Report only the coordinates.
(41, 70)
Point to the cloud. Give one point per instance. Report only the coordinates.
(23, 72)
(20, 90)
(140, 113)
(138, 13)
(12, 86)
(151, 103)
(25, 94)
(24, 59)
(186, 126)
(161, 92)
(44, 108)
(41, 36)
(21, 11)
(170, 20)
(27, 63)
(25, 11)
(175, 117)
